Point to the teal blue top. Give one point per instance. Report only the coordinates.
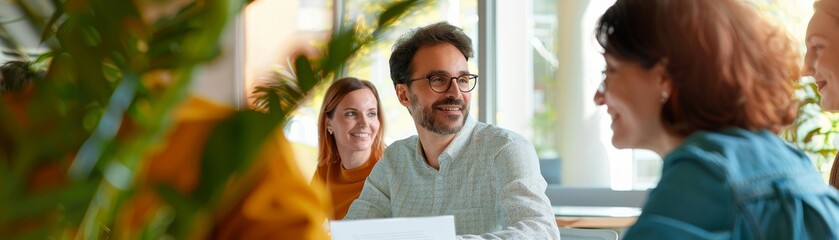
(738, 184)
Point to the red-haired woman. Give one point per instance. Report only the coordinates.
(349, 140)
(707, 85)
(822, 60)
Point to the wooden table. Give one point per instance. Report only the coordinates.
(595, 222)
(595, 217)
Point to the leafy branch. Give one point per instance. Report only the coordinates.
(290, 86)
(97, 113)
(815, 130)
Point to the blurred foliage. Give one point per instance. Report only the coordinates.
(815, 130)
(105, 60)
(102, 106)
(302, 74)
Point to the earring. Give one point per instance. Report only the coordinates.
(330, 131)
(664, 97)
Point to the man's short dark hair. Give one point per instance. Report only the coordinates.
(406, 47)
(16, 75)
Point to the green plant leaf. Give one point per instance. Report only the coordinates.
(396, 10)
(159, 224)
(74, 196)
(97, 49)
(48, 31)
(339, 49)
(231, 147)
(184, 207)
(346, 42)
(106, 130)
(305, 75)
(810, 101)
(811, 134)
(44, 57)
(827, 152)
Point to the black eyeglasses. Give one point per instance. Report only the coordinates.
(440, 83)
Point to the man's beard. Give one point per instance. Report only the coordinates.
(425, 116)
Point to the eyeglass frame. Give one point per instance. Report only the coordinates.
(602, 87)
(450, 79)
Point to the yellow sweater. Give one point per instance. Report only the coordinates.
(343, 185)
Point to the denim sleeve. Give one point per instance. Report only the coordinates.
(689, 202)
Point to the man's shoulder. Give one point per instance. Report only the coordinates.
(496, 133)
(396, 156)
(402, 146)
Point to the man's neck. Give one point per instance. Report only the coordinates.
(433, 145)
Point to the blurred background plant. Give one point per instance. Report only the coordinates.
(815, 130)
(365, 31)
(71, 149)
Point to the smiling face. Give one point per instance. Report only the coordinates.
(821, 60)
(634, 98)
(355, 122)
(440, 113)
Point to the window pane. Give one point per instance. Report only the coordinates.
(547, 73)
(372, 64)
(548, 70)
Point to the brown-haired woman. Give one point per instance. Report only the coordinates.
(707, 85)
(822, 60)
(349, 140)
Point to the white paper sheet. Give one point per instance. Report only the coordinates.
(419, 228)
(577, 211)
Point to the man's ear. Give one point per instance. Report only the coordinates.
(402, 94)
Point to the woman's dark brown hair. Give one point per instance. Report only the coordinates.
(728, 66)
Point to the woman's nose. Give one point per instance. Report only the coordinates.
(599, 98)
(362, 122)
(808, 69)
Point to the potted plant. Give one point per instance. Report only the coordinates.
(90, 122)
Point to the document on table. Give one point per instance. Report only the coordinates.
(417, 228)
(577, 211)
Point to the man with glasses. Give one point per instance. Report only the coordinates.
(487, 177)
